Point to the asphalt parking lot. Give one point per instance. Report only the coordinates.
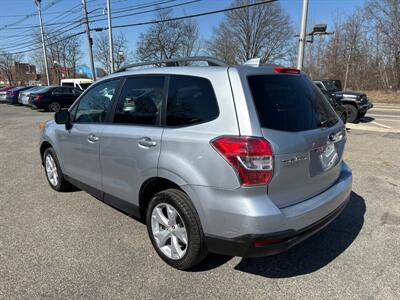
(381, 118)
(70, 245)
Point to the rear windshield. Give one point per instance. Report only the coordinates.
(290, 103)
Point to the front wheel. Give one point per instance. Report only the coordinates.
(175, 229)
(54, 175)
(352, 113)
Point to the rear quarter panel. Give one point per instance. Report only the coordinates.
(186, 153)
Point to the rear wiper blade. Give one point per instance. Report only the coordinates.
(323, 123)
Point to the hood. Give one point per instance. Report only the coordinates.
(349, 94)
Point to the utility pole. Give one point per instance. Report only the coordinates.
(39, 8)
(110, 37)
(302, 39)
(90, 41)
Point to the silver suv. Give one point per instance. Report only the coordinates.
(237, 160)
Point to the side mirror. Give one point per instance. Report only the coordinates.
(62, 117)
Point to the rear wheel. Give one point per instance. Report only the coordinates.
(54, 175)
(54, 106)
(175, 230)
(352, 113)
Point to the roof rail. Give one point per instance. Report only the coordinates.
(175, 62)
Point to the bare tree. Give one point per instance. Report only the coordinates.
(102, 53)
(63, 55)
(7, 62)
(220, 45)
(385, 15)
(261, 31)
(168, 39)
(353, 37)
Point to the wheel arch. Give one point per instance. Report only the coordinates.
(43, 147)
(151, 187)
(157, 184)
(351, 102)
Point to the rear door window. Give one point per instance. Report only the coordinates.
(62, 91)
(140, 101)
(191, 100)
(290, 103)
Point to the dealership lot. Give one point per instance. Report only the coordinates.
(70, 245)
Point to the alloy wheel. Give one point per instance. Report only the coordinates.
(55, 106)
(51, 170)
(169, 231)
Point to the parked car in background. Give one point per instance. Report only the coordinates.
(54, 98)
(12, 95)
(336, 102)
(356, 104)
(3, 93)
(237, 160)
(23, 97)
(79, 83)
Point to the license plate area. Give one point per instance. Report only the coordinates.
(323, 159)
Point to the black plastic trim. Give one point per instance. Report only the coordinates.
(120, 204)
(244, 245)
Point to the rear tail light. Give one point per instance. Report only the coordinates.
(286, 70)
(251, 157)
(38, 97)
(13, 93)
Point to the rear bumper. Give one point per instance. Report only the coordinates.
(233, 221)
(269, 244)
(37, 104)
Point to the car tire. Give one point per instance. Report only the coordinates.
(54, 106)
(53, 172)
(352, 113)
(175, 230)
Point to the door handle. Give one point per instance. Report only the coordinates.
(147, 142)
(92, 138)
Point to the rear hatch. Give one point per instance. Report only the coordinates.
(305, 133)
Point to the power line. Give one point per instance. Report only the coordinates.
(15, 39)
(50, 44)
(53, 2)
(191, 16)
(16, 43)
(150, 10)
(159, 21)
(135, 7)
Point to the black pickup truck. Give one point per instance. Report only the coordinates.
(356, 104)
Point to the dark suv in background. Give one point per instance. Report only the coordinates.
(54, 98)
(356, 103)
(336, 102)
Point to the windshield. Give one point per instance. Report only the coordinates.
(331, 86)
(290, 103)
(85, 85)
